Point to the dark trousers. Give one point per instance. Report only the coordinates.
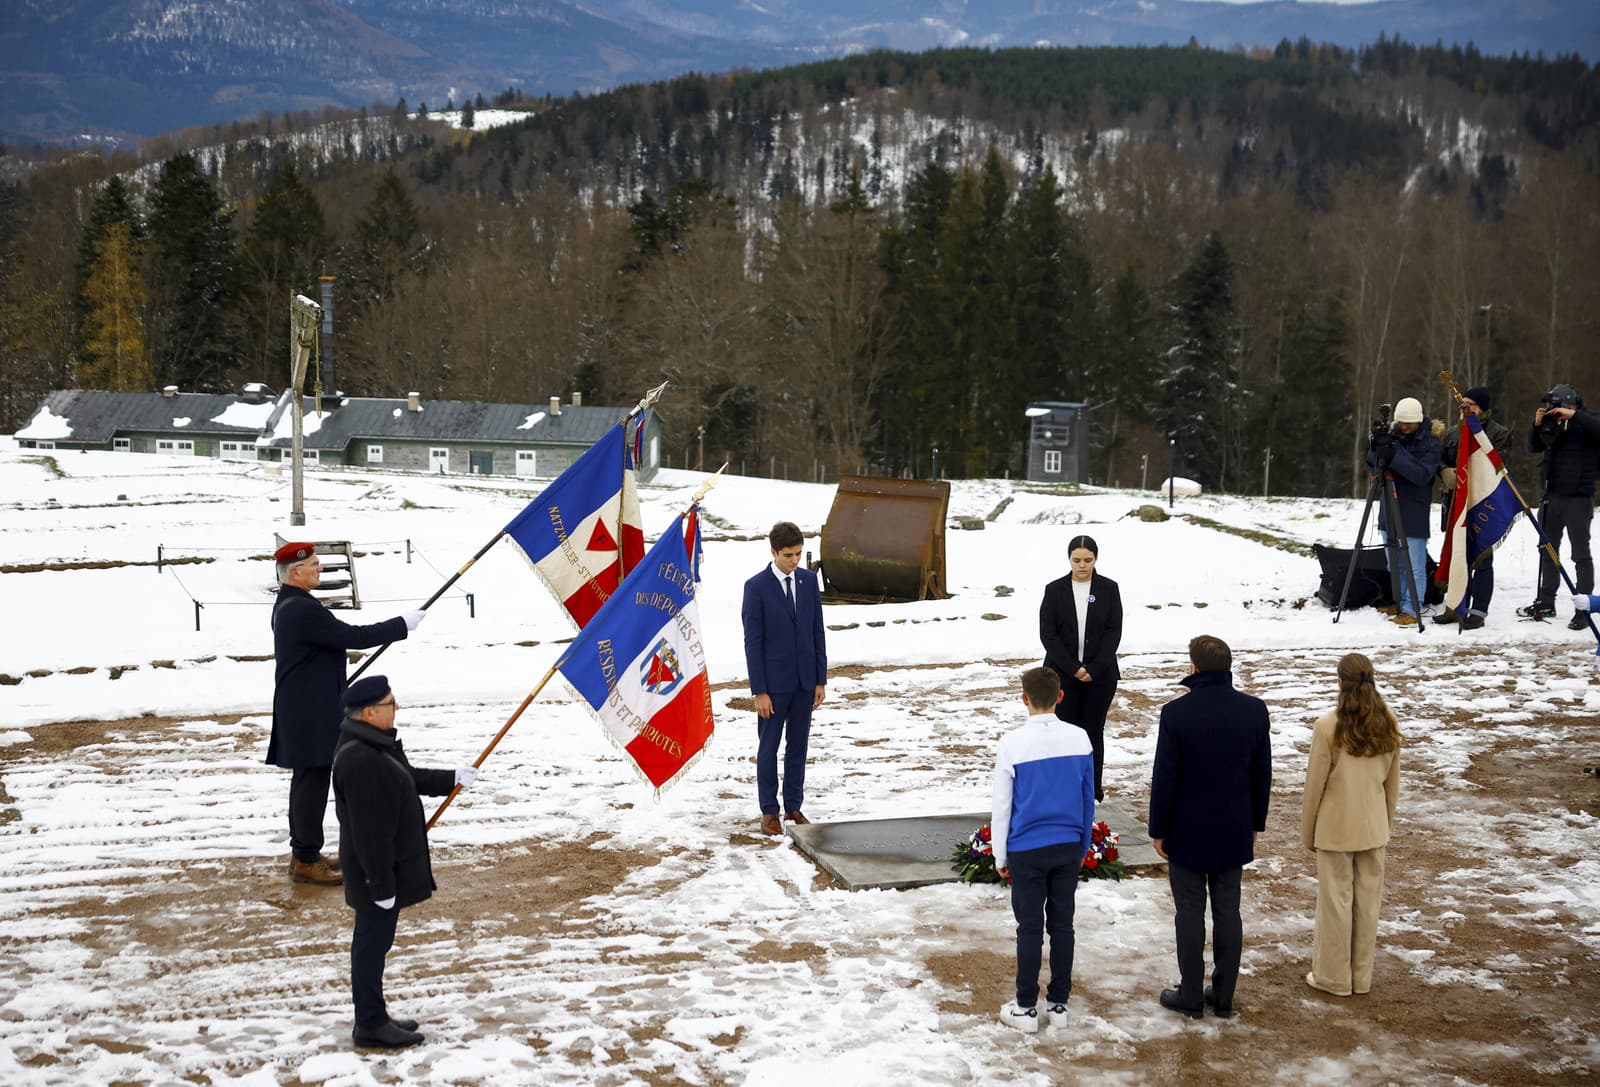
(1189, 891)
(1571, 514)
(791, 717)
(1085, 705)
(1480, 589)
(1044, 891)
(308, 803)
(371, 941)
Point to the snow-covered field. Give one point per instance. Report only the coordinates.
(586, 932)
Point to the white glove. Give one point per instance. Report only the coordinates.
(385, 903)
(413, 620)
(1580, 601)
(466, 775)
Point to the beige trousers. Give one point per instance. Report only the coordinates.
(1349, 892)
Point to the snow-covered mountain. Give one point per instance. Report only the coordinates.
(115, 67)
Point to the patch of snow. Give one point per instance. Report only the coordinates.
(531, 421)
(46, 426)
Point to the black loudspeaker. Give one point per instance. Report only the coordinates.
(1369, 586)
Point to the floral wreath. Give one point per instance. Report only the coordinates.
(973, 859)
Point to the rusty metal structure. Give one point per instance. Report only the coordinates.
(884, 541)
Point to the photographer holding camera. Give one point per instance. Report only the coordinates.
(1408, 453)
(1569, 438)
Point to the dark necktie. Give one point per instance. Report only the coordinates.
(788, 588)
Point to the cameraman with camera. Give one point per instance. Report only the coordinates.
(1407, 453)
(1569, 438)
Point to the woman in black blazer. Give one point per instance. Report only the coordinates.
(1087, 665)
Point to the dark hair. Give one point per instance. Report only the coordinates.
(1086, 542)
(1042, 686)
(785, 534)
(1209, 653)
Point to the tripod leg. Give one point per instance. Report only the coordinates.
(1391, 508)
(1355, 552)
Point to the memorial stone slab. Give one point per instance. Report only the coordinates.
(915, 851)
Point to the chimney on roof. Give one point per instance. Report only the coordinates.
(329, 384)
(577, 398)
(169, 390)
(555, 405)
(413, 401)
(253, 392)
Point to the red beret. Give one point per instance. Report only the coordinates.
(294, 552)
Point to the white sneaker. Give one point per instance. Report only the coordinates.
(1023, 1019)
(1052, 1011)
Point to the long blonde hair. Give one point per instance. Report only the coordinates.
(1363, 723)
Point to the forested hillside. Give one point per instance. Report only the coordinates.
(848, 264)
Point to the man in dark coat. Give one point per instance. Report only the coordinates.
(1409, 453)
(383, 846)
(309, 647)
(1480, 587)
(1569, 438)
(1208, 801)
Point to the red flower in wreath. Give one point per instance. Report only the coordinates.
(1111, 854)
(1091, 861)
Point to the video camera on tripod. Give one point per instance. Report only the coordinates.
(1381, 443)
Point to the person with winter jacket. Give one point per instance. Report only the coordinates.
(1480, 589)
(383, 846)
(1409, 454)
(1569, 438)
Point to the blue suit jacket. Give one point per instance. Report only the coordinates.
(784, 653)
(1213, 774)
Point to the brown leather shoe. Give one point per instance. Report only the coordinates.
(798, 817)
(315, 872)
(770, 824)
(331, 862)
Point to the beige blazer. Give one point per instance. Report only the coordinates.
(1349, 801)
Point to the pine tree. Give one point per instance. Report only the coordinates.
(390, 256)
(111, 205)
(1201, 385)
(114, 355)
(283, 250)
(469, 115)
(190, 278)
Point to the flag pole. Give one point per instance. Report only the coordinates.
(526, 702)
(644, 403)
(1544, 541)
(455, 577)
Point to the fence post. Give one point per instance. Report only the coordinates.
(408, 551)
(158, 558)
(197, 607)
(472, 606)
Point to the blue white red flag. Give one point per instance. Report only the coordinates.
(1481, 515)
(639, 664)
(585, 532)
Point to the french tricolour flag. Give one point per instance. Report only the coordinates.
(1481, 515)
(585, 532)
(640, 665)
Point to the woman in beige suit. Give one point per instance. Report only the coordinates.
(1352, 782)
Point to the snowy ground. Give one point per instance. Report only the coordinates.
(585, 932)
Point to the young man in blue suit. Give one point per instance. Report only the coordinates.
(788, 661)
(1208, 801)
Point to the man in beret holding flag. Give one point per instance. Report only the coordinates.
(309, 645)
(383, 846)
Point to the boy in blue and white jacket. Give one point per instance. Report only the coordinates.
(1042, 817)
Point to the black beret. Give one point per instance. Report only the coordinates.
(365, 692)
